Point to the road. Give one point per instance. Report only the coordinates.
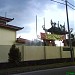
(56, 71)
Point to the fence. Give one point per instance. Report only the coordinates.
(35, 52)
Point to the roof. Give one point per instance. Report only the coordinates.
(11, 27)
(57, 30)
(6, 19)
(22, 40)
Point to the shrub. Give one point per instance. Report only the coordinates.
(14, 54)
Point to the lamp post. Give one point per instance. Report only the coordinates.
(70, 42)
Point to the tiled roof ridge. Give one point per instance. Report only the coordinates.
(6, 19)
(11, 26)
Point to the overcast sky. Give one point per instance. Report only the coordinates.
(24, 13)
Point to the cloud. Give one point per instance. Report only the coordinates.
(50, 12)
(24, 13)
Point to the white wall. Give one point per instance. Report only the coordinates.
(7, 37)
(4, 50)
(34, 52)
(52, 52)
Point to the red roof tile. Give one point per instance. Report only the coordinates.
(22, 40)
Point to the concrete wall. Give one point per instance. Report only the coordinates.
(4, 50)
(35, 52)
(7, 37)
(41, 52)
(52, 52)
(74, 51)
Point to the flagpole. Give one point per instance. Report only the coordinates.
(36, 26)
(44, 43)
(36, 30)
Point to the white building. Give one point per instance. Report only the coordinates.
(7, 32)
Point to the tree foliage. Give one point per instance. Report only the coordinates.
(14, 54)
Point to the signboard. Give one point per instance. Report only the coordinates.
(52, 36)
(67, 49)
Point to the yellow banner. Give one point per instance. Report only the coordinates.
(52, 36)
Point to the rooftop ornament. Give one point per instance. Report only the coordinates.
(60, 30)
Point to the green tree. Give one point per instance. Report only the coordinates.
(14, 54)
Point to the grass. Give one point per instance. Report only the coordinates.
(34, 68)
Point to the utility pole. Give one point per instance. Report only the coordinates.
(70, 42)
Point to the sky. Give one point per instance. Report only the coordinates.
(24, 13)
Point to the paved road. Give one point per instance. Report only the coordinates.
(56, 71)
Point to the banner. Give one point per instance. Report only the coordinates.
(45, 36)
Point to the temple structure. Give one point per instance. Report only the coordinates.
(8, 32)
(54, 33)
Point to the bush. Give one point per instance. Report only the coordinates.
(14, 54)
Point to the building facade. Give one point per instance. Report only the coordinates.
(7, 32)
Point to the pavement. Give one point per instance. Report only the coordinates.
(70, 70)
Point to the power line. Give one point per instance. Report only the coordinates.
(71, 7)
(63, 4)
(70, 4)
(58, 2)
